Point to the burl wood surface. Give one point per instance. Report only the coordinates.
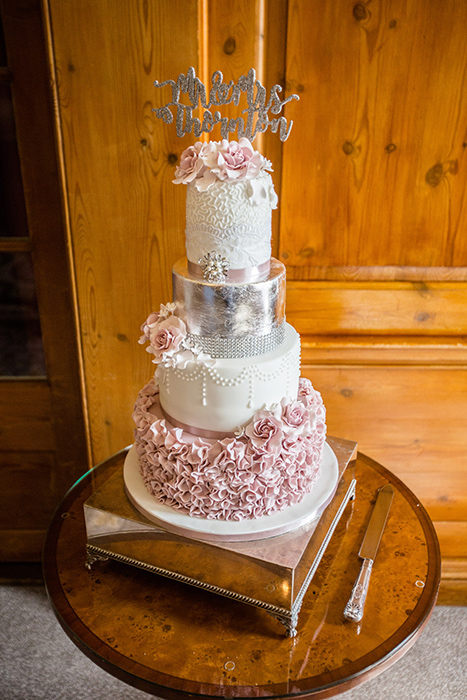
(170, 639)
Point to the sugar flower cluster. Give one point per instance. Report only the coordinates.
(269, 465)
(166, 334)
(206, 163)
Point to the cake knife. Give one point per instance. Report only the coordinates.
(354, 608)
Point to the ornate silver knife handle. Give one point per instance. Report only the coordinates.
(354, 608)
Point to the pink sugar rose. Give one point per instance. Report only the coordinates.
(204, 163)
(295, 417)
(166, 337)
(238, 160)
(191, 165)
(154, 319)
(148, 326)
(265, 432)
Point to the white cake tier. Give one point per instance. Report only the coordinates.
(216, 400)
(232, 219)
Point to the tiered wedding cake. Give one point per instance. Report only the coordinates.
(227, 429)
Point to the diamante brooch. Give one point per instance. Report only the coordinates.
(215, 267)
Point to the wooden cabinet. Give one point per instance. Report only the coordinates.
(370, 225)
(42, 433)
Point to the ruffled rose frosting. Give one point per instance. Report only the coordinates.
(271, 465)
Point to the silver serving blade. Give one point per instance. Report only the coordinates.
(377, 523)
(354, 608)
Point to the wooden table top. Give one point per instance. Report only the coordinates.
(172, 640)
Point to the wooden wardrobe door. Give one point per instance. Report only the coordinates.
(43, 445)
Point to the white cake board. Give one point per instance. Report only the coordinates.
(180, 523)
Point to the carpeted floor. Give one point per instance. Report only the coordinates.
(39, 662)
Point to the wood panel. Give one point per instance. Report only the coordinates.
(412, 419)
(42, 433)
(126, 219)
(452, 538)
(377, 308)
(404, 403)
(25, 408)
(30, 491)
(21, 545)
(374, 173)
(453, 589)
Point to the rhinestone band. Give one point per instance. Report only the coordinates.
(239, 346)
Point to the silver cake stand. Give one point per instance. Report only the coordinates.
(272, 573)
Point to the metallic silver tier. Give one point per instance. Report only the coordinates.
(232, 319)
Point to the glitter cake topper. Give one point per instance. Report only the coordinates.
(223, 94)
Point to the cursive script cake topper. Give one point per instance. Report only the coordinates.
(220, 94)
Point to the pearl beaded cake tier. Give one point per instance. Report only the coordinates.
(211, 399)
(232, 319)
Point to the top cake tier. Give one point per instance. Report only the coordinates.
(229, 219)
(229, 203)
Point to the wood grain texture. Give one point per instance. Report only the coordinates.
(453, 588)
(22, 545)
(452, 592)
(452, 538)
(22, 430)
(126, 219)
(401, 413)
(30, 490)
(377, 161)
(42, 428)
(377, 308)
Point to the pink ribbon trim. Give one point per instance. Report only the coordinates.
(243, 274)
(200, 432)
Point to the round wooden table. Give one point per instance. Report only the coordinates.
(172, 640)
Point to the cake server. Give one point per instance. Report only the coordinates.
(354, 608)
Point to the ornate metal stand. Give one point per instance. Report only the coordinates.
(273, 574)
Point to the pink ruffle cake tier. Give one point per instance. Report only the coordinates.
(271, 464)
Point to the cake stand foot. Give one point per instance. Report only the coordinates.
(290, 623)
(91, 559)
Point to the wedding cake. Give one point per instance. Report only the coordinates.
(227, 429)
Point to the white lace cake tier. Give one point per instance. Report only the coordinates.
(228, 220)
